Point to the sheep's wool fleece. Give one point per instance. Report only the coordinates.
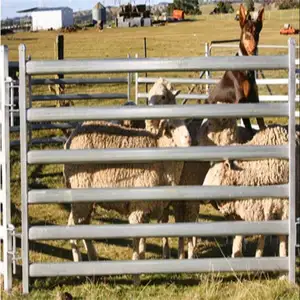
(255, 173)
(102, 135)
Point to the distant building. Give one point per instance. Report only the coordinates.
(99, 13)
(44, 18)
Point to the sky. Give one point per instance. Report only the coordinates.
(9, 7)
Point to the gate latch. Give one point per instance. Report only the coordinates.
(13, 252)
(298, 235)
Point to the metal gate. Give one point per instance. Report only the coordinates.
(29, 115)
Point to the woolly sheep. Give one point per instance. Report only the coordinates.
(162, 93)
(254, 173)
(212, 132)
(103, 135)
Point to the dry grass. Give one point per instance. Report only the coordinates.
(186, 39)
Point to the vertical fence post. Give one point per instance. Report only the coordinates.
(128, 83)
(145, 55)
(136, 84)
(5, 171)
(207, 75)
(23, 154)
(292, 161)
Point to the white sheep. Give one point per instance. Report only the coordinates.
(104, 135)
(255, 173)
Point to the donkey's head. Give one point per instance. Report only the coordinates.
(250, 30)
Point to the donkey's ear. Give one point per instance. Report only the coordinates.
(243, 16)
(260, 15)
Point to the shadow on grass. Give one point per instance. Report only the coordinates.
(156, 279)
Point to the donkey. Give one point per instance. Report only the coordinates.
(240, 86)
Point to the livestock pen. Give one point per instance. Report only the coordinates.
(30, 114)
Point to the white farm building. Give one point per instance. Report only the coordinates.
(44, 18)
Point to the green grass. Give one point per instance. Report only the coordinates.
(186, 39)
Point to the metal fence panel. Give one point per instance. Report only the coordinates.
(29, 115)
(6, 265)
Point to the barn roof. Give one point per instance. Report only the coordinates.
(34, 9)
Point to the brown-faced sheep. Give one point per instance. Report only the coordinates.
(255, 173)
(104, 135)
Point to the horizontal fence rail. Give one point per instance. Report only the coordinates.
(157, 230)
(156, 112)
(79, 96)
(138, 155)
(269, 81)
(109, 80)
(159, 266)
(149, 194)
(156, 64)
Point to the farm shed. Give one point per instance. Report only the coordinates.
(50, 17)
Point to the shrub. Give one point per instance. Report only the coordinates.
(287, 4)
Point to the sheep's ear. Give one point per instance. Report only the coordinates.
(176, 92)
(227, 164)
(155, 123)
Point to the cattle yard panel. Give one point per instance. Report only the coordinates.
(28, 115)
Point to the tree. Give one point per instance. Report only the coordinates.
(188, 6)
(287, 4)
(249, 5)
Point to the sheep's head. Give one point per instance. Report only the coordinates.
(162, 93)
(177, 131)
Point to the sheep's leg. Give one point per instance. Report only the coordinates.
(142, 248)
(237, 246)
(90, 249)
(137, 217)
(282, 246)
(190, 248)
(75, 250)
(165, 240)
(179, 211)
(135, 256)
(260, 246)
(195, 239)
(181, 254)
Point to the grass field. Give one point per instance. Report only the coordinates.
(185, 39)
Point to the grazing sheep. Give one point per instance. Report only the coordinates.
(104, 135)
(255, 173)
